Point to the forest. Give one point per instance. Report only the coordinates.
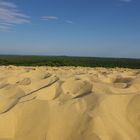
(24, 60)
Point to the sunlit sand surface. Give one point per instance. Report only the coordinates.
(68, 103)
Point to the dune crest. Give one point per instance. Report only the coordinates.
(68, 103)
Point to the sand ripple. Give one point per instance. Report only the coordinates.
(68, 103)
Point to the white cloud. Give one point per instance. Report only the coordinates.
(10, 15)
(69, 21)
(49, 18)
(54, 18)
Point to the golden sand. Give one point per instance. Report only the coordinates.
(68, 103)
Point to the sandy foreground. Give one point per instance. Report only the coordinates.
(68, 103)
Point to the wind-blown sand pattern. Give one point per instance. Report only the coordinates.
(68, 103)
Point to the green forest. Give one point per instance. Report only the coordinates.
(22, 60)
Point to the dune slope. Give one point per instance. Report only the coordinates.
(68, 103)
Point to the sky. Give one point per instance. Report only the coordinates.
(98, 28)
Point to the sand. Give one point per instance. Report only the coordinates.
(69, 103)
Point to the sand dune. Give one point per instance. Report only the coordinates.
(68, 103)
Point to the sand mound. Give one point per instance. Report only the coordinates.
(2, 85)
(76, 87)
(49, 93)
(37, 85)
(68, 103)
(9, 97)
(136, 83)
(25, 81)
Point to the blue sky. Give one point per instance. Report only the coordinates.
(104, 28)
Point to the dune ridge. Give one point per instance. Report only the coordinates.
(69, 103)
